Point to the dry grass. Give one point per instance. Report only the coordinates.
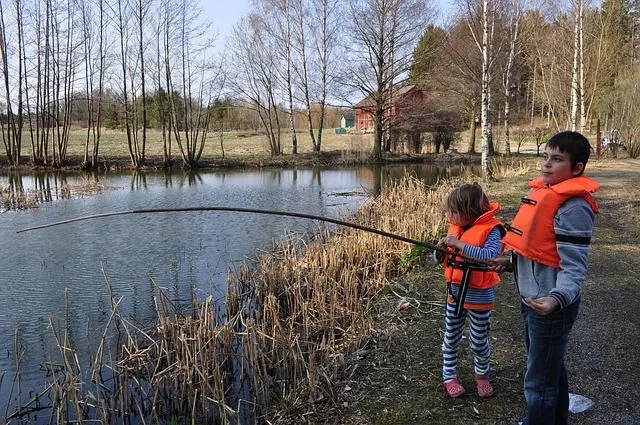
(506, 167)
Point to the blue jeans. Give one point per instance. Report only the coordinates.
(546, 387)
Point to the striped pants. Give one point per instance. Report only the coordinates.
(479, 325)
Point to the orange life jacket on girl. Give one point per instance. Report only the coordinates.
(475, 235)
(532, 234)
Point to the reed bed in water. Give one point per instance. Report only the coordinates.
(291, 324)
(16, 197)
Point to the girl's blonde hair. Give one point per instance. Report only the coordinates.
(468, 201)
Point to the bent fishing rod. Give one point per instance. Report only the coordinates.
(258, 211)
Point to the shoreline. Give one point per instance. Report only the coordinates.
(318, 159)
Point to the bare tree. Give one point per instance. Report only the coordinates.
(167, 15)
(487, 48)
(325, 15)
(255, 78)
(576, 71)
(288, 81)
(93, 32)
(141, 13)
(514, 25)
(193, 86)
(384, 34)
(63, 44)
(11, 134)
(123, 29)
(303, 68)
(280, 23)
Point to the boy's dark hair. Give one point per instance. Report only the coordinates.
(574, 143)
(468, 200)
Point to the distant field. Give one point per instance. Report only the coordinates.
(113, 143)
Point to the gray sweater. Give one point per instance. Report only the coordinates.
(573, 225)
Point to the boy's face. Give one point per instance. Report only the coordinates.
(556, 167)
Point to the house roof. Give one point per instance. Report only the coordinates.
(398, 92)
(349, 115)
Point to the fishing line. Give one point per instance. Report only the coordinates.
(256, 211)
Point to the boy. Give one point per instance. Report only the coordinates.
(549, 241)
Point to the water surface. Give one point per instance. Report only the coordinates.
(60, 274)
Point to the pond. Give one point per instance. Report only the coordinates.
(59, 275)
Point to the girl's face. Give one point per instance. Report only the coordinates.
(459, 220)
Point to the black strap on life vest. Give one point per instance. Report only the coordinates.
(525, 200)
(510, 228)
(515, 230)
(466, 268)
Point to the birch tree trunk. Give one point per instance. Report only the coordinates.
(142, 12)
(9, 133)
(122, 28)
(485, 102)
(575, 89)
(515, 20)
(21, 80)
(324, 43)
(304, 72)
(583, 116)
(287, 43)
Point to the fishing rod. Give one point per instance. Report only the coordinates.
(258, 211)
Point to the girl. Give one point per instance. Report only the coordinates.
(473, 232)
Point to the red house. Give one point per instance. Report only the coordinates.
(404, 100)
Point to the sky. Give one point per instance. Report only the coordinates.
(224, 14)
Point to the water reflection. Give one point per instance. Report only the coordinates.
(52, 186)
(18, 191)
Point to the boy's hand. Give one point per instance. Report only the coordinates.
(543, 305)
(501, 264)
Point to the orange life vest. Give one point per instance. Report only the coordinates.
(475, 235)
(532, 234)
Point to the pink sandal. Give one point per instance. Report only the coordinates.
(453, 388)
(484, 387)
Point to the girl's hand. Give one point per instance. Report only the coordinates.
(452, 241)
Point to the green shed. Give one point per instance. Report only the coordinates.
(347, 120)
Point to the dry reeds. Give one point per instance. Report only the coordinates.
(16, 197)
(512, 166)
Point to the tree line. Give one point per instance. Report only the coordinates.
(292, 65)
(551, 66)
